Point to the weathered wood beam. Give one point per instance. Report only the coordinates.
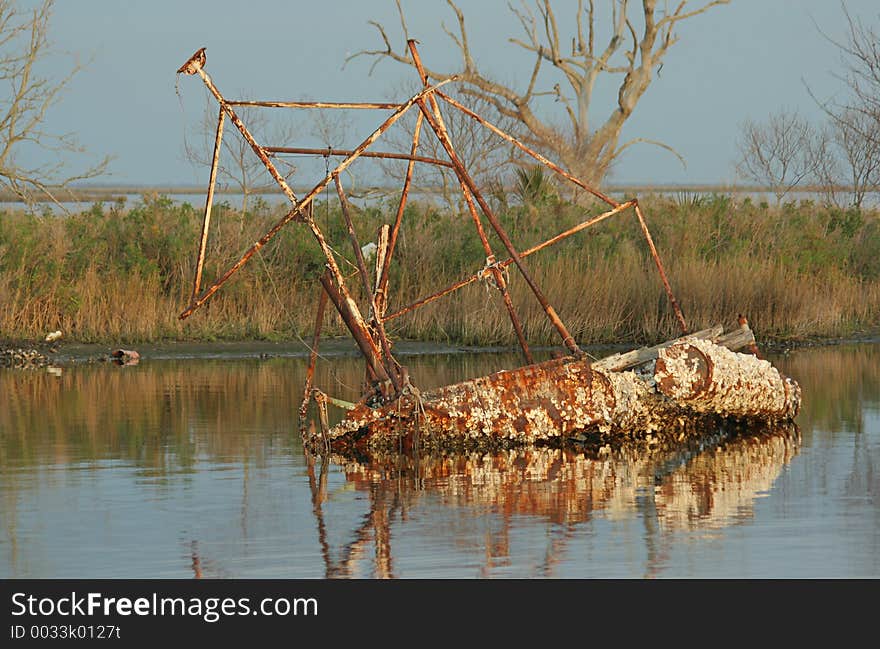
(618, 362)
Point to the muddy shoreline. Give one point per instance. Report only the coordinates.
(40, 354)
(60, 353)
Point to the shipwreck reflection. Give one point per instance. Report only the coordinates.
(720, 486)
(699, 484)
(375, 527)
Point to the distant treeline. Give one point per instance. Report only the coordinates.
(122, 273)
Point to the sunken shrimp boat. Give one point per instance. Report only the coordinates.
(676, 388)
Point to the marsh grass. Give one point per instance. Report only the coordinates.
(123, 274)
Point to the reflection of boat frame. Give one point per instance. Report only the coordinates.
(682, 382)
(674, 486)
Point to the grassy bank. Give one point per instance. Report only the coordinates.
(122, 274)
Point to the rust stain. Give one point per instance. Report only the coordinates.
(690, 385)
(699, 365)
(534, 402)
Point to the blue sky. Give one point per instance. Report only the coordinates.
(743, 60)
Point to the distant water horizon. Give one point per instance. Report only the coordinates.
(84, 196)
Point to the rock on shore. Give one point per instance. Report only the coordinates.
(23, 358)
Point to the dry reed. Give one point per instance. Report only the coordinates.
(123, 275)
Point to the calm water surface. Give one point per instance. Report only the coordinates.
(194, 468)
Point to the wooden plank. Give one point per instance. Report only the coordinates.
(619, 362)
(737, 339)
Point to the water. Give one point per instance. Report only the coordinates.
(193, 468)
(378, 193)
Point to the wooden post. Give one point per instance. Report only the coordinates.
(313, 359)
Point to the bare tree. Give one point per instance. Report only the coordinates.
(780, 153)
(828, 171)
(238, 167)
(861, 58)
(634, 52)
(848, 158)
(854, 151)
(24, 104)
(857, 135)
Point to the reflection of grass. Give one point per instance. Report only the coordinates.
(116, 273)
(158, 417)
(838, 383)
(165, 415)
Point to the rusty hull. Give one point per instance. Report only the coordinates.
(533, 402)
(693, 385)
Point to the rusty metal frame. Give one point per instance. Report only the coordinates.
(435, 121)
(501, 265)
(606, 199)
(384, 155)
(388, 379)
(298, 211)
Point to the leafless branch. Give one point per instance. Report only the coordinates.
(852, 138)
(237, 167)
(586, 151)
(778, 153)
(643, 140)
(23, 44)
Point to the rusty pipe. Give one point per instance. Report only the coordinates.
(258, 150)
(504, 264)
(537, 156)
(298, 209)
(484, 240)
(351, 313)
(498, 277)
(675, 308)
(360, 335)
(390, 363)
(382, 281)
(209, 201)
(383, 155)
(567, 338)
(317, 104)
(355, 244)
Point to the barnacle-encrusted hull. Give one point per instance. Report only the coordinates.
(685, 385)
